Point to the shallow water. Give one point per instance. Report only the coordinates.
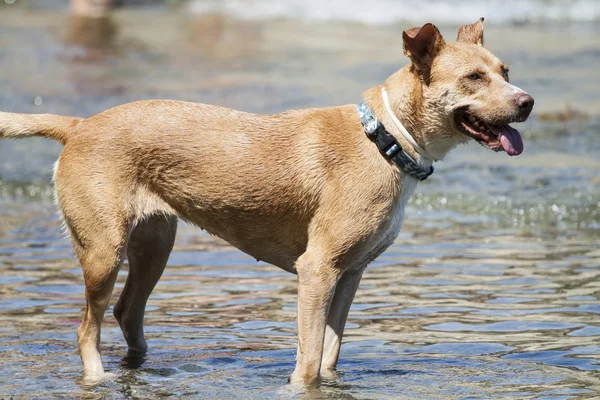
(491, 290)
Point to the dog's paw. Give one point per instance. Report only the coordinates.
(304, 380)
(89, 381)
(329, 374)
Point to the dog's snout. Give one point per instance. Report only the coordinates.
(525, 103)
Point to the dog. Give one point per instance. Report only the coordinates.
(317, 192)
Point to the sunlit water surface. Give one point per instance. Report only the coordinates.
(491, 290)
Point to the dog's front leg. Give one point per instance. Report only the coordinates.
(317, 279)
(336, 319)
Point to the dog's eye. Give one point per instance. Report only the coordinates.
(505, 73)
(474, 76)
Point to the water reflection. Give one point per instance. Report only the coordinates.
(221, 38)
(90, 39)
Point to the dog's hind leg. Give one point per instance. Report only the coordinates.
(149, 246)
(99, 229)
(100, 250)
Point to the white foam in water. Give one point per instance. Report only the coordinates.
(389, 11)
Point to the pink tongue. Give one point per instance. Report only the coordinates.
(510, 138)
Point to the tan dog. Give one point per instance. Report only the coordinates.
(304, 190)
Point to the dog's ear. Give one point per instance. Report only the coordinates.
(421, 45)
(471, 33)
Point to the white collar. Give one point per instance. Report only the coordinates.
(401, 127)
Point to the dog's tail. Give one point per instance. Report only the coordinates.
(46, 125)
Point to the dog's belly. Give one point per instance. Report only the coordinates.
(278, 240)
(271, 228)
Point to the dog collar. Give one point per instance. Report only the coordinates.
(389, 146)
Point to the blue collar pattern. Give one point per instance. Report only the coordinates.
(389, 146)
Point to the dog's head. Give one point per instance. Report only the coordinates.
(465, 90)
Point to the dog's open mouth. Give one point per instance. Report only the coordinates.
(495, 137)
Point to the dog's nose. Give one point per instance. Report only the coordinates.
(525, 104)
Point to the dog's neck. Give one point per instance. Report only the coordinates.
(406, 102)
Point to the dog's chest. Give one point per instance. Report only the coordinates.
(389, 229)
(398, 210)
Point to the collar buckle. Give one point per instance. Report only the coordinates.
(389, 146)
(371, 127)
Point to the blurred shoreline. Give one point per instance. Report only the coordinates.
(375, 12)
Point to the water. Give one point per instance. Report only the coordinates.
(491, 290)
